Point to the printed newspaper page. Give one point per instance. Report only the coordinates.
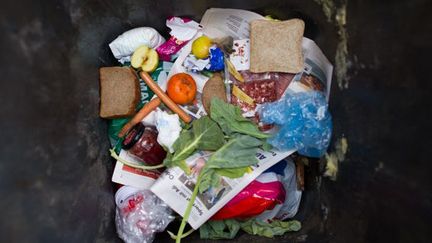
(222, 22)
(317, 73)
(175, 188)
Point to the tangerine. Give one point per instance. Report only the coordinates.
(181, 88)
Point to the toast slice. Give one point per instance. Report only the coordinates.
(119, 92)
(276, 46)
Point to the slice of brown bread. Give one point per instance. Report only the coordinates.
(119, 92)
(275, 46)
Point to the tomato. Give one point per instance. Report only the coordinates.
(182, 88)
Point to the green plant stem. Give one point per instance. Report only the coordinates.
(188, 209)
(144, 167)
(174, 237)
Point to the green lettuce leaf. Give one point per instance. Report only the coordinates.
(230, 119)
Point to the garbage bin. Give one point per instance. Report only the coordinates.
(55, 168)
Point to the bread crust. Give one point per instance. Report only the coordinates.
(127, 75)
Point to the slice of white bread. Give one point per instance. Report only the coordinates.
(119, 92)
(276, 46)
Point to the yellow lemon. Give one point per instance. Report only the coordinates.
(201, 46)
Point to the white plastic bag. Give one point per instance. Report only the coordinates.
(125, 44)
(292, 199)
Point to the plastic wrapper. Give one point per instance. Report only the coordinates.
(125, 44)
(261, 194)
(140, 214)
(182, 31)
(216, 59)
(257, 91)
(304, 121)
(282, 80)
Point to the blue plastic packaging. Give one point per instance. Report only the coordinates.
(216, 60)
(304, 121)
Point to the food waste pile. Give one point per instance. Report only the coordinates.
(206, 126)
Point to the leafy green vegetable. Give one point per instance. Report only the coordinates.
(209, 179)
(227, 229)
(231, 159)
(239, 152)
(276, 227)
(205, 134)
(230, 119)
(266, 146)
(219, 229)
(233, 172)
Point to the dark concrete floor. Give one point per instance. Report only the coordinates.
(55, 169)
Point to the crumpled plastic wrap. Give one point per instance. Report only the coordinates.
(140, 214)
(125, 44)
(304, 120)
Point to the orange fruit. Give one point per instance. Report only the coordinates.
(181, 88)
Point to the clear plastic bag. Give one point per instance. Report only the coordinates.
(304, 120)
(140, 214)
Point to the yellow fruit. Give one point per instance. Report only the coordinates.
(146, 58)
(139, 56)
(201, 46)
(152, 61)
